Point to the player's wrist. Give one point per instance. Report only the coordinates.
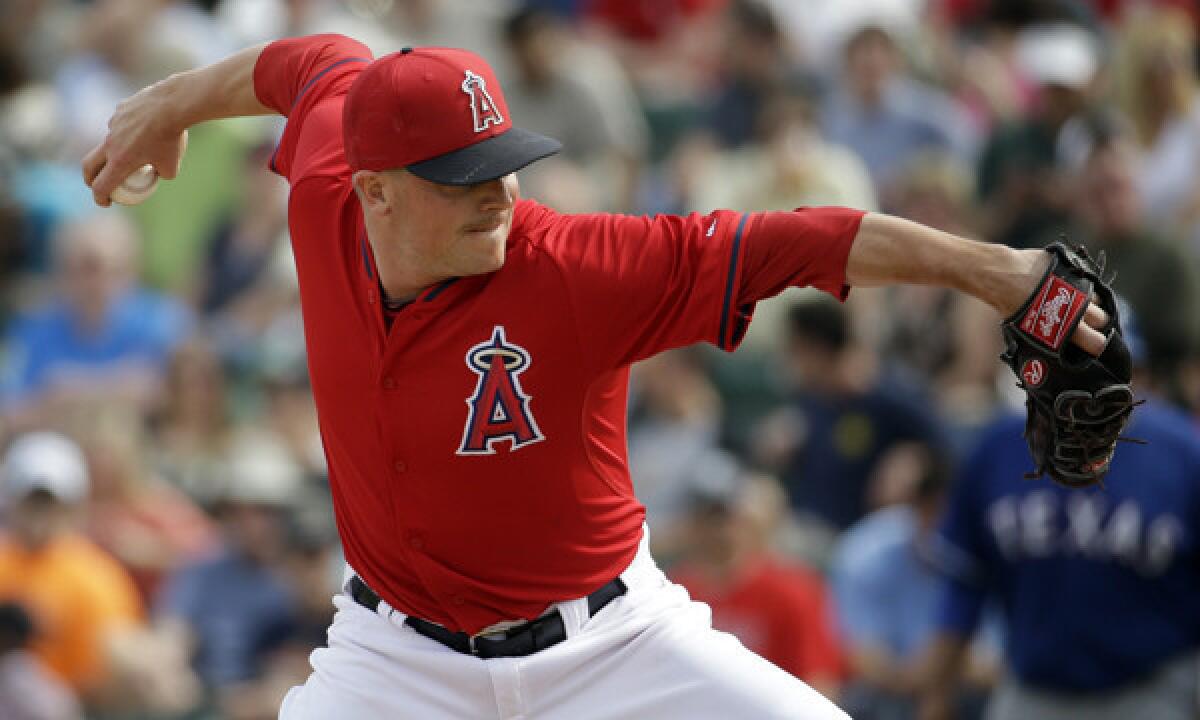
(1013, 276)
(179, 103)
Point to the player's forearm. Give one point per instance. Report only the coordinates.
(890, 250)
(224, 89)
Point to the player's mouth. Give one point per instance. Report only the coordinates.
(486, 227)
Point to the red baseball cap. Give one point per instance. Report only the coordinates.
(439, 113)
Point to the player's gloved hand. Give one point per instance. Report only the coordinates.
(1077, 404)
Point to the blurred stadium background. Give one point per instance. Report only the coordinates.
(170, 548)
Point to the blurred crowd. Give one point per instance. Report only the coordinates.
(167, 546)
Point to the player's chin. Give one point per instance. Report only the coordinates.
(487, 247)
(490, 263)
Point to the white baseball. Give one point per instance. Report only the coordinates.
(140, 185)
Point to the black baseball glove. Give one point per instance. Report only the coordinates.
(1077, 404)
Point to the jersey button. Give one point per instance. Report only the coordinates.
(389, 383)
(416, 543)
(371, 297)
(400, 466)
(458, 600)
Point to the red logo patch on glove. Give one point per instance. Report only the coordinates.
(1058, 305)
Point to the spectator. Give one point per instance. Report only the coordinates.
(818, 28)
(109, 47)
(839, 422)
(147, 525)
(36, 184)
(1152, 272)
(313, 571)
(234, 609)
(100, 334)
(777, 608)
(756, 69)
(568, 90)
(192, 427)
(289, 412)
(886, 588)
(14, 88)
(668, 48)
(675, 422)
(934, 335)
(1024, 193)
(246, 242)
(79, 597)
(788, 165)
(1098, 587)
(659, 40)
(1156, 83)
(27, 691)
(884, 114)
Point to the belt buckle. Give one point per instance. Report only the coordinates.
(496, 632)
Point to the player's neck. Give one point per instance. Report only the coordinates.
(400, 278)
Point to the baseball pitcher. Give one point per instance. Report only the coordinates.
(469, 353)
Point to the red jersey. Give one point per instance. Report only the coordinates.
(476, 443)
(780, 612)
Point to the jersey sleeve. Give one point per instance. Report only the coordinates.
(641, 285)
(807, 247)
(296, 77)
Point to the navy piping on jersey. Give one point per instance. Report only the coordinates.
(366, 257)
(304, 89)
(737, 242)
(437, 290)
(321, 74)
(362, 243)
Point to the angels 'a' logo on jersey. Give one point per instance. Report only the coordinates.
(499, 408)
(483, 109)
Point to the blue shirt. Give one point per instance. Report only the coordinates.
(238, 611)
(885, 592)
(1098, 586)
(141, 329)
(911, 118)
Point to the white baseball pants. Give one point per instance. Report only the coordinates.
(651, 653)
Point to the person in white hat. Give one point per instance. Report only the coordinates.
(1023, 190)
(43, 479)
(79, 595)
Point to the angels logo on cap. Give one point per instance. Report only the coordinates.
(483, 108)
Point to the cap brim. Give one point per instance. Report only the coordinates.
(495, 157)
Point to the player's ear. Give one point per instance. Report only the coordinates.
(371, 190)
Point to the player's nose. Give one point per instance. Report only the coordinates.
(496, 194)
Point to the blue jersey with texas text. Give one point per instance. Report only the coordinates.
(1099, 586)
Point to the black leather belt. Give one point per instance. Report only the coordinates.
(524, 639)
